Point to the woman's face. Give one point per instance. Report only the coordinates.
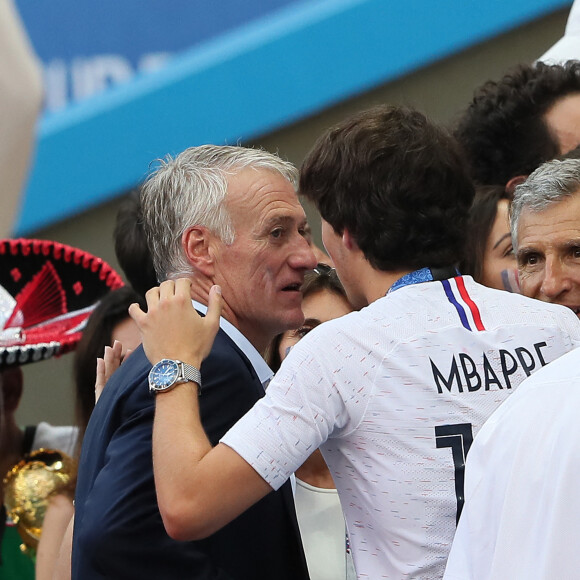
(318, 307)
(499, 262)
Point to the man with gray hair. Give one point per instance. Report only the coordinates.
(216, 215)
(520, 519)
(545, 225)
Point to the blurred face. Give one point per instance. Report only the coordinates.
(127, 333)
(563, 119)
(549, 253)
(499, 261)
(262, 271)
(319, 307)
(339, 255)
(320, 256)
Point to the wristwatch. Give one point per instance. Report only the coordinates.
(168, 373)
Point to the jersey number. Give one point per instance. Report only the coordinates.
(459, 437)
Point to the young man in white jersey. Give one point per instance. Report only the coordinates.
(393, 394)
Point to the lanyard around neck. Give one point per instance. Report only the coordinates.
(424, 275)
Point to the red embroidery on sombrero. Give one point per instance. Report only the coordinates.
(41, 299)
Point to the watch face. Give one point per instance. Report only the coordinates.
(163, 374)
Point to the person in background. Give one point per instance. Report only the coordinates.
(109, 323)
(320, 255)
(512, 126)
(489, 256)
(47, 292)
(318, 507)
(393, 392)
(16, 443)
(131, 247)
(545, 225)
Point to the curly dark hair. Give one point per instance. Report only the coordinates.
(397, 183)
(503, 132)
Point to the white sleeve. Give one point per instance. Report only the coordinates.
(460, 564)
(304, 406)
(466, 550)
(572, 326)
(20, 102)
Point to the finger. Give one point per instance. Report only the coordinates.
(112, 361)
(137, 314)
(214, 309)
(107, 358)
(183, 287)
(100, 382)
(152, 297)
(127, 353)
(152, 293)
(166, 289)
(117, 348)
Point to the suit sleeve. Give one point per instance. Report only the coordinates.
(119, 532)
(230, 389)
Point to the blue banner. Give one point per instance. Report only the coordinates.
(250, 68)
(87, 46)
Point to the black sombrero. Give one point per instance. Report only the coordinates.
(47, 292)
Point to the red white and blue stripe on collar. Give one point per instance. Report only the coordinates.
(466, 308)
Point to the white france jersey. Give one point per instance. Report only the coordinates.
(394, 395)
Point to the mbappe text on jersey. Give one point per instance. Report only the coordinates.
(467, 373)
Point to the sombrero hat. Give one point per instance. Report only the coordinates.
(47, 292)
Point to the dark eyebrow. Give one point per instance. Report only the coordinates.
(523, 252)
(574, 243)
(312, 322)
(508, 235)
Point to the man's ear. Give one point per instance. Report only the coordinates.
(348, 240)
(511, 185)
(196, 242)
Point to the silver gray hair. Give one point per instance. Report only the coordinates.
(550, 183)
(190, 190)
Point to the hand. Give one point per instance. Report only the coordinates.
(107, 365)
(171, 328)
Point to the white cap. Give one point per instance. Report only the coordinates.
(568, 47)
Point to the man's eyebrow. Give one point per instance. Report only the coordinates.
(508, 235)
(282, 219)
(573, 243)
(523, 252)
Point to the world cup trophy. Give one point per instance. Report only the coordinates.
(28, 487)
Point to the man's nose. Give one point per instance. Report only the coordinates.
(556, 279)
(303, 257)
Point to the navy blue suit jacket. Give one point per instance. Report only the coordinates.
(118, 529)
